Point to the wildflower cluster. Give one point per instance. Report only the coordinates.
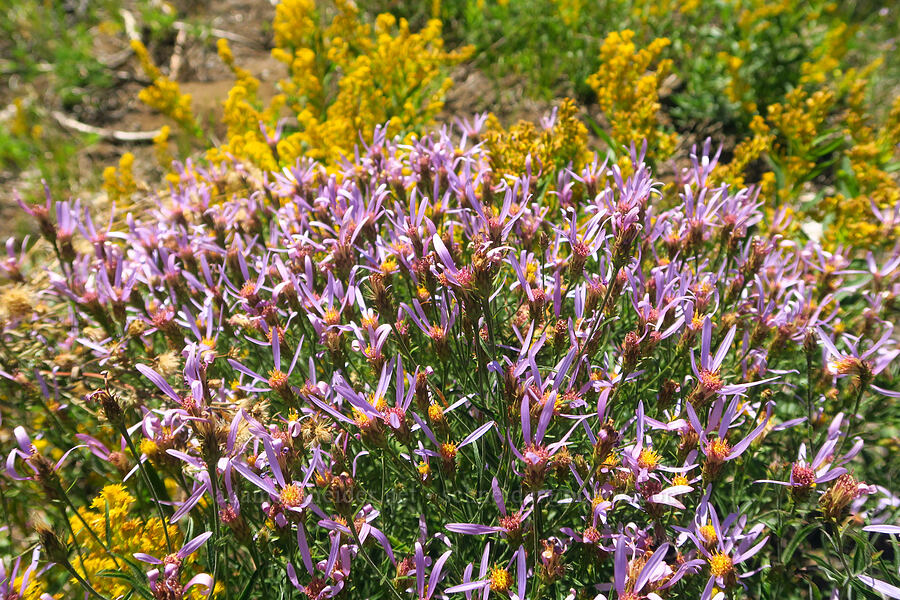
(164, 94)
(628, 94)
(345, 76)
(560, 142)
(412, 378)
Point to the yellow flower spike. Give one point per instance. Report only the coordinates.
(161, 147)
(109, 516)
(119, 184)
(164, 95)
(628, 92)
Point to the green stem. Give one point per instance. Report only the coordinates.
(159, 509)
(384, 580)
(86, 526)
(84, 583)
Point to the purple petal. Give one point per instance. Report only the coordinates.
(443, 253)
(276, 350)
(521, 571)
(23, 440)
(193, 545)
(292, 577)
(147, 558)
(498, 496)
(189, 504)
(744, 443)
(436, 573)
(890, 394)
(333, 553)
(160, 382)
(420, 570)
(880, 586)
(272, 457)
(889, 529)
(620, 565)
(525, 413)
(201, 579)
(239, 367)
(723, 349)
(471, 528)
(255, 479)
(468, 587)
(382, 539)
(705, 342)
(749, 553)
(651, 565)
(544, 421)
(475, 435)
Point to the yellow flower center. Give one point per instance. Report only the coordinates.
(292, 495)
(708, 533)
(448, 451)
(500, 579)
(332, 317)
(718, 449)
(648, 459)
(720, 564)
(435, 413)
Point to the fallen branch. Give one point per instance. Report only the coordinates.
(104, 132)
(8, 112)
(176, 58)
(130, 24)
(221, 33)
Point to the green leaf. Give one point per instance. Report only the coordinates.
(245, 593)
(795, 542)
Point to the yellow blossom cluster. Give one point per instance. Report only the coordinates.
(345, 77)
(164, 95)
(564, 143)
(872, 150)
(569, 10)
(161, 147)
(21, 124)
(646, 11)
(110, 520)
(119, 184)
(628, 92)
(245, 118)
(738, 89)
(826, 56)
(826, 128)
(746, 152)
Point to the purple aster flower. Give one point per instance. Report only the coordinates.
(434, 578)
(8, 588)
(511, 523)
(650, 576)
(39, 465)
(499, 579)
(824, 467)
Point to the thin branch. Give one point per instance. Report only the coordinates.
(104, 132)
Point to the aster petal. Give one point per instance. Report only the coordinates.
(880, 586)
(436, 573)
(472, 528)
(888, 529)
(647, 571)
(194, 545)
(475, 435)
(159, 381)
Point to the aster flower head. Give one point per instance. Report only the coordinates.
(495, 578)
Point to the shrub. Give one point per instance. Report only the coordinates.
(344, 77)
(410, 378)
